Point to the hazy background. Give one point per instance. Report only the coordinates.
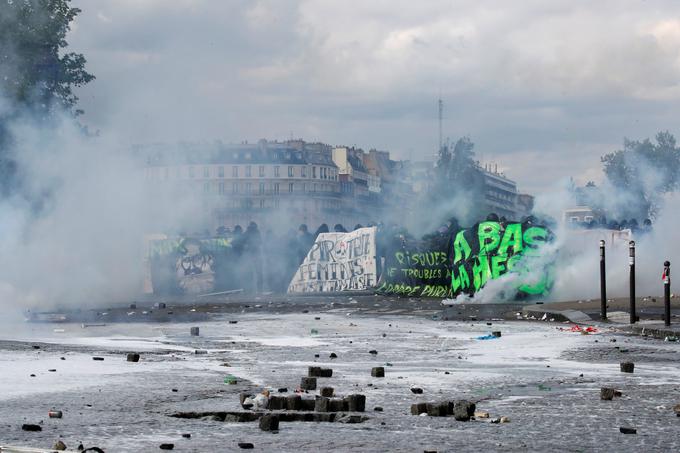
(542, 88)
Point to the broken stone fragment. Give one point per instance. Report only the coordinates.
(327, 392)
(54, 414)
(308, 383)
(246, 445)
(378, 371)
(269, 423)
(606, 394)
(417, 390)
(59, 445)
(418, 408)
(438, 409)
(166, 446)
(133, 357)
(356, 403)
(463, 410)
(481, 414)
(624, 430)
(627, 367)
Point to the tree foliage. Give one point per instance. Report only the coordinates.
(644, 170)
(458, 175)
(34, 72)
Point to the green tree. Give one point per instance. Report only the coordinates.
(34, 71)
(37, 77)
(643, 171)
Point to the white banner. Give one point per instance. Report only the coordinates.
(338, 262)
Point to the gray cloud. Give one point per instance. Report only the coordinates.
(549, 85)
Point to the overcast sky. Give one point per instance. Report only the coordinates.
(543, 88)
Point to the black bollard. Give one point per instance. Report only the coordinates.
(631, 256)
(667, 292)
(603, 284)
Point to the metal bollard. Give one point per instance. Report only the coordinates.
(667, 292)
(603, 284)
(631, 256)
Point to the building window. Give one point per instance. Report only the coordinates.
(234, 171)
(323, 172)
(221, 188)
(276, 171)
(248, 171)
(191, 172)
(234, 188)
(206, 172)
(249, 187)
(304, 172)
(276, 188)
(290, 187)
(313, 172)
(261, 170)
(276, 202)
(261, 188)
(206, 187)
(220, 172)
(290, 172)
(314, 188)
(262, 203)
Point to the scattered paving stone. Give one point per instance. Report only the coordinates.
(463, 410)
(333, 355)
(496, 333)
(59, 445)
(167, 446)
(32, 375)
(305, 311)
(417, 390)
(378, 409)
(246, 445)
(316, 356)
(481, 414)
(234, 322)
(317, 318)
(352, 419)
(378, 371)
(54, 414)
(175, 390)
(439, 409)
(308, 383)
(283, 390)
(627, 367)
(133, 357)
(269, 423)
(277, 402)
(35, 346)
(356, 403)
(200, 351)
(606, 394)
(293, 402)
(505, 420)
(327, 392)
(186, 436)
(418, 408)
(194, 331)
(99, 359)
(624, 430)
(31, 427)
(373, 351)
(52, 370)
(316, 371)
